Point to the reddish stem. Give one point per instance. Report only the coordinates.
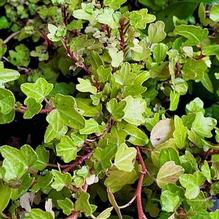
(78, 161)
(74, 215)
(74, 57)
(122, 33)
(144, 171)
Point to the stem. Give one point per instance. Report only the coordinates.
(74, 215)
(129, 203)
(23, 109)
(144, 171)
(122, 34)
(78, 161)
(11, 36)
(74, 57)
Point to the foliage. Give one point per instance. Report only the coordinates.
(123, 100)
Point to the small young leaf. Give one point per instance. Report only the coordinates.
(66, 205)
(156, 32)
(60, 180)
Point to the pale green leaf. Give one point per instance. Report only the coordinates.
(91, 126)
(60, 180)
(36, 213)
(86, 86)
(165, 176)
(116, 57)
(124, 158)
(105, 214)
(194, 34)
(169, 201)
(83, 204)
(156, 32)
(38, 90)
(134, 109)
(66, 149)
(118, 178)
(66, 205)
(180, 132)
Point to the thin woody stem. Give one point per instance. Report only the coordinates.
(144, 171)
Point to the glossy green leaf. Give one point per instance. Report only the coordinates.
(5, 192)
(38, 213)
(66, 205)
(194, 34)
(86, 86)
(169, 201)
(38, 90)
(180, 132)
(82, 204)
(156, 32)
(192, 182)
(203, 125)
(60, 180)
(124, 158)
(67, 149)
(134, 109)
(165, 176)
(117, 179)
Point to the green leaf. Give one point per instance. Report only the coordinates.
(214, 13)
(169, 201)
(139, 19)
(165, 176)
(114, 4)
(66, 205)
(191, 183)
(16, 162)
(116, 57)
(194, 34)
(67, 149)
(104, 74)
(159, 52)
(194, 69)
(7, 101)
(5, 192)
(162, 131)
(203, 125)
(174, 100)
(205, 169)
(156, 32)
(206, 82)
(105, 214)
(195, 106)
(180, 132)
(7, 75)
(36, 213)
(91, 126)
(33, 108)
(109, 17)
(60, 180)
(168, 154)
(124, 158)
(38, 90)
(42, 158)
(86, 86)
(83, 204)
(87, 108)
(137, 137)
(117, 179)
(134, 109)
(116, 108)
(21, 56)
(86, 12)
(65, 106)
